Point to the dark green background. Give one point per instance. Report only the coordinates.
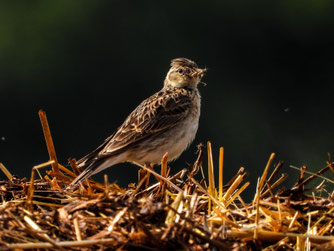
(89, 63)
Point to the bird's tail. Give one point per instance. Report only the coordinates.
(89, 171)
(81, 177)
(94, 166)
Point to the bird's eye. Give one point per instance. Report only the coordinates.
(179, 70)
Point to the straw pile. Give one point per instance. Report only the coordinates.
(178, 212)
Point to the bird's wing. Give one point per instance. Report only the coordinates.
(153, 116)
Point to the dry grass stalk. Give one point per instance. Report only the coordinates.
(232, 188)
(211, 176)
(48, 140)
(221, 176)
(6, 172)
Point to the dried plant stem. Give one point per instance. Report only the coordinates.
(32, 178)
(36, 230)
(232, 188)
(276, 236)
(164, 165)
(322, 171)
(314, 175)
(74, 166)
(6, 172)
(83, 243)
(48, 140)
(322, 217)
(262, 234)
(211, 175)
(219, 204)
(257, 215)
(77, 229)
(231, 181)
(110, 228)
(236, 194)
(264, 175)
(293, 220)
(276, 184)
(214, 242)
(65, 170)
(163, 178)
(221, 165)
(170, 218)
(278, 167)
(330, 165)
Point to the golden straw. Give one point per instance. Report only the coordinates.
(221, 162)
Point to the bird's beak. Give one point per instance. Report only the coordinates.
(199, 73)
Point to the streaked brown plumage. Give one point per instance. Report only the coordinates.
(165, 122)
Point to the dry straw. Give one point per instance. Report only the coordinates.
(176, 212)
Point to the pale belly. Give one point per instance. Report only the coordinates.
(174, 142)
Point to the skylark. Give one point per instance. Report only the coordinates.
(165, 122)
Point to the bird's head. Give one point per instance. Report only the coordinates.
(184, 73)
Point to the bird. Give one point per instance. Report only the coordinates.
(167, 121)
